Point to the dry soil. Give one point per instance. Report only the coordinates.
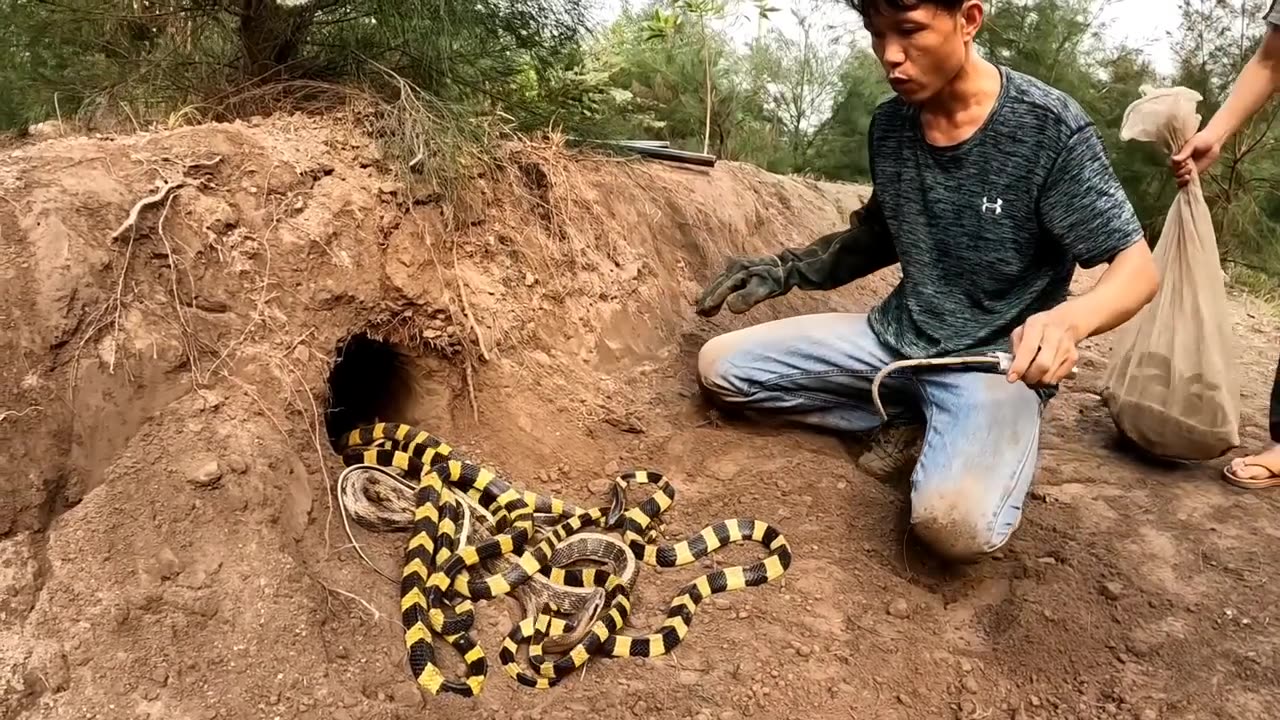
(169, 547)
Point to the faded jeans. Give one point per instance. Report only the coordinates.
(981, 431)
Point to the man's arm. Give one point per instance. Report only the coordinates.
(832, 260)
(1085, 209)
(1258, 81)
(839, 258)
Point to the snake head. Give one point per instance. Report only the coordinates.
(617, 507)
(617, 502)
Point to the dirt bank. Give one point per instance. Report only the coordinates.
(168, 548)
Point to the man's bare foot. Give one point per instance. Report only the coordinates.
(1255, 471)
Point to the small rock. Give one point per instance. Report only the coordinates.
(406, 694)
(743, 614)
(720, 604)
(970, 685)
(842, 485)
(237, 464)
(639, 709)
(723, 469)
(612, 469)
(1148, 714)
(966, 666)
(1046, 560)
(804, 651)
(1111, 590)
(151, 692)
(207, 475)
(160, 676)
(49, 669)
(206, 607)
(689, 678)
(702, 715)
(899, 609)
(340, 652)
(530, 279)
(729, 715)
(1138, 647)
(1034, 700)
(902, 698)
(167, 564)
(194, 578)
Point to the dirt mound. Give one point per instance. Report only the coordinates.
(168, 544)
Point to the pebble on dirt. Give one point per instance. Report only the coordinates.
(207, 475)
(899, 609)
(167, 564)
(1111, 590)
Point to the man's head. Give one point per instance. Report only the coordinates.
(921, 44)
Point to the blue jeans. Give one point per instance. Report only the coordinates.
(981, 431)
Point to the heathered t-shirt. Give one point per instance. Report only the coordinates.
(988, 231)
(1273, 15)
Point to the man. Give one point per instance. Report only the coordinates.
(989, 187)
(1258, 82)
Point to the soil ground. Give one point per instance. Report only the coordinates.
(169, 549)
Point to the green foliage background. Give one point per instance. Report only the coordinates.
(794, 102)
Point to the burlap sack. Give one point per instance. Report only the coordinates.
(1172, 385)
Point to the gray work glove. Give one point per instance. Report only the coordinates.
(832, 260)
(744, 283)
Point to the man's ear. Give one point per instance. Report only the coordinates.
(972, 13)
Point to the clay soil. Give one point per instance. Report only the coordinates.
(169, 547)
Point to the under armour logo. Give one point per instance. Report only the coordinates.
(996, 206)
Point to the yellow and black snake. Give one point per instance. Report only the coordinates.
(437, 586)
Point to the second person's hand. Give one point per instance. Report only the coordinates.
(1199, 152)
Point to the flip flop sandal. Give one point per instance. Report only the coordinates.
(1254, 483)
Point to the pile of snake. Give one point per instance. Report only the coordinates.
(526, 539)
(381, 500)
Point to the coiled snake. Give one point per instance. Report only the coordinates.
(380, 500)
(438, 584)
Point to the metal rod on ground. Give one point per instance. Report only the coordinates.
(653, 150)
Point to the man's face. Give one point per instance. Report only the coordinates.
(923, 47)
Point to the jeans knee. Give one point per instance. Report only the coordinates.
(716, 371)
(956, 539)
(960, 524)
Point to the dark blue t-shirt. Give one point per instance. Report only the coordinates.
(989, 231)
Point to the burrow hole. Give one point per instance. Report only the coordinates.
(376, 381)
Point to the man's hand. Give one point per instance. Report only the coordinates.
(744, 283)
(1201, 151)
(1044, 347)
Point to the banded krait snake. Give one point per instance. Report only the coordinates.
(381, 500)
(437, 585)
